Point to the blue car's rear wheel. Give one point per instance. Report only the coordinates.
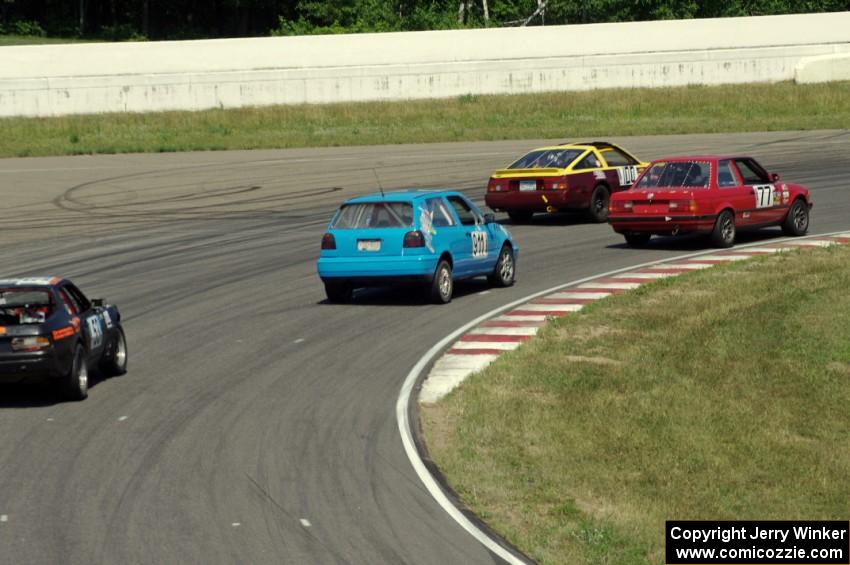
(338, 292)
(442, 285)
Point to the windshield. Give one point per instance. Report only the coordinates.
(693, 174)
(24, 305)
(547, 159)
(374, 215)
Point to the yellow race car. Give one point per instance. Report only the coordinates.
(572, 176)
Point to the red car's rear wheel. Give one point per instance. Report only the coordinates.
(723, 234)
(520, 216)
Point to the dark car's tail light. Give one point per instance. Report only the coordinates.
(413, 239)
(28, 344)
(328, 241)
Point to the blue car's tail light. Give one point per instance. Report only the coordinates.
(414, 239)
(328, 241)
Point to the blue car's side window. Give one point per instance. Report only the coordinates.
(464, 211)
(441, 217)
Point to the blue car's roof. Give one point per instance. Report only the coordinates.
(401, 195)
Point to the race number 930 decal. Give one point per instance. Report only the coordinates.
(479, 244)
(627, 175)
(764, 195)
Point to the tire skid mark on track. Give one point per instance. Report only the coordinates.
(311, 422)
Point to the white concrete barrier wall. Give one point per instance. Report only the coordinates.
(825, 68)
(52, 80)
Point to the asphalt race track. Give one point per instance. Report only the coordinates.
(256, 423)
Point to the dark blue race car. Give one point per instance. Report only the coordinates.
(422, 236)
(50, 331)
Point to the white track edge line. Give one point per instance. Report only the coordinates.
(403, 400)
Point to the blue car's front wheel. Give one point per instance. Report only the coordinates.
(504, 273)
(442, 284)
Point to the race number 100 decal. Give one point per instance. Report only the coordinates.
(764, 195)
(479, 244)
(627, 175)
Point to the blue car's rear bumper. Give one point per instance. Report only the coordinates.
(377, 270)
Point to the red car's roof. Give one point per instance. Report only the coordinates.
(700, 158)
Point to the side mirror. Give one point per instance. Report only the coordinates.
(98, 302)
(774, 177)
(489, 218)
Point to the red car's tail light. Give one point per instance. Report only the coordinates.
(328, 241)
(555, 184)
(620, 205)
(683, 205)
(413, 239)
(496, 185)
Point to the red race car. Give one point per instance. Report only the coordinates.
(571, 176)
(707, 194)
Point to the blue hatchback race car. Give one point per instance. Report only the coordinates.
(416, 236)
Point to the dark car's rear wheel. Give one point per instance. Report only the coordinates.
(442, 286)
(723, 234)
(797, 220)
(114, 360)
(338, 292)
(598, 211)
(520, 216)
(504, 273)
(75, 385)
(637, 239)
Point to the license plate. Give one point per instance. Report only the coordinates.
(368, 245)
(525, 185)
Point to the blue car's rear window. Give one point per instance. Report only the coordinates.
(374, 215)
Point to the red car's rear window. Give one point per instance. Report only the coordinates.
(547, 159)
(676, 174)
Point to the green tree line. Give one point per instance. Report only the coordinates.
(185, 19)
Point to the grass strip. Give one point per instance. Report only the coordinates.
(568, 115)
(6, 40)
(720, 394)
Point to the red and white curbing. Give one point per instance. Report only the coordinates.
(482, 344)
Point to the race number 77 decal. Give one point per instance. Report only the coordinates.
(479, 244)
(764, 195)
(627, 175)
